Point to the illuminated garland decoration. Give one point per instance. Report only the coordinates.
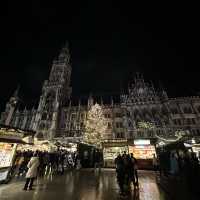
(150, 126)
(178, 134)
(169, 140)
(145, 125)
(95, 126)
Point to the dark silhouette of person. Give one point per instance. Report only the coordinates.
(120, 170)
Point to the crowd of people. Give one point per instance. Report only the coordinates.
(182, 165)
(126, 169)
(50, 162)
(31, 164)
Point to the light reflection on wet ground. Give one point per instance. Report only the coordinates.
(82, 185)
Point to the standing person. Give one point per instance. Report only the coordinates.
(155, 163)
(132, 169)
(173, 164)
(127, 173)
(120, 170)
(21, 165)
(32, 171)
(46, 163)
(77, 162)
(97, 159)
(134, 163)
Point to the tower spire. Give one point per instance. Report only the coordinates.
(16, 93)
(64, 55)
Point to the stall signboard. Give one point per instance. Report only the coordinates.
(142, 142)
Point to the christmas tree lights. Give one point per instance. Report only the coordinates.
(95, 126)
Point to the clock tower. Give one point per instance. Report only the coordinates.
(55, 92)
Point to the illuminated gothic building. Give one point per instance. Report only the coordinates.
(138, 113)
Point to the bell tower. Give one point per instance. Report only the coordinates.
(11, 105)
(55, 92)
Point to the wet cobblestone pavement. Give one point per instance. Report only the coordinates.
(82, 185)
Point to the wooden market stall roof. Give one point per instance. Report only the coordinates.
(14, 135)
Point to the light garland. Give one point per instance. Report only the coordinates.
(150, 126)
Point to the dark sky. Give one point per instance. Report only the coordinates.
(108, 44)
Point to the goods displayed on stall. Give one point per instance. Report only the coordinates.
(110, 153)
(142, 152)
(142, 149)
(111, 148)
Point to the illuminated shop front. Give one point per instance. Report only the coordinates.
(143, 151)
(7, 152)
(111, 148)
(9, 139)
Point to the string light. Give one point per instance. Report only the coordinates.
(95, 126)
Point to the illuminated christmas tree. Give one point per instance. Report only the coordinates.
(95, 126)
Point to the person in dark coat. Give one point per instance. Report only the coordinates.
(120, 170)
(135, 168)
(97, 160)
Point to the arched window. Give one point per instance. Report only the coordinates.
(193, 121)
(174, 110)
(164, 111)
(198, 108)
(44, 116)
(187, 110)
(50, 98)
(42, 126)
(40, 135)
(120, 135)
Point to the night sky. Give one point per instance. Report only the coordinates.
(109, 43)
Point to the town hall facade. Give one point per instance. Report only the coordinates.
(139, 113)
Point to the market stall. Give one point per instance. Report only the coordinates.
(196, 150)
(111, 148)
(7, 152)
(9, 139)
(86, 154)
(143, 151)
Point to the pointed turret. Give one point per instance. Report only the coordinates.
(10, 108)
(162, 93)
(90, 101)
(112, 102)
(16, 93)
(64, 55)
